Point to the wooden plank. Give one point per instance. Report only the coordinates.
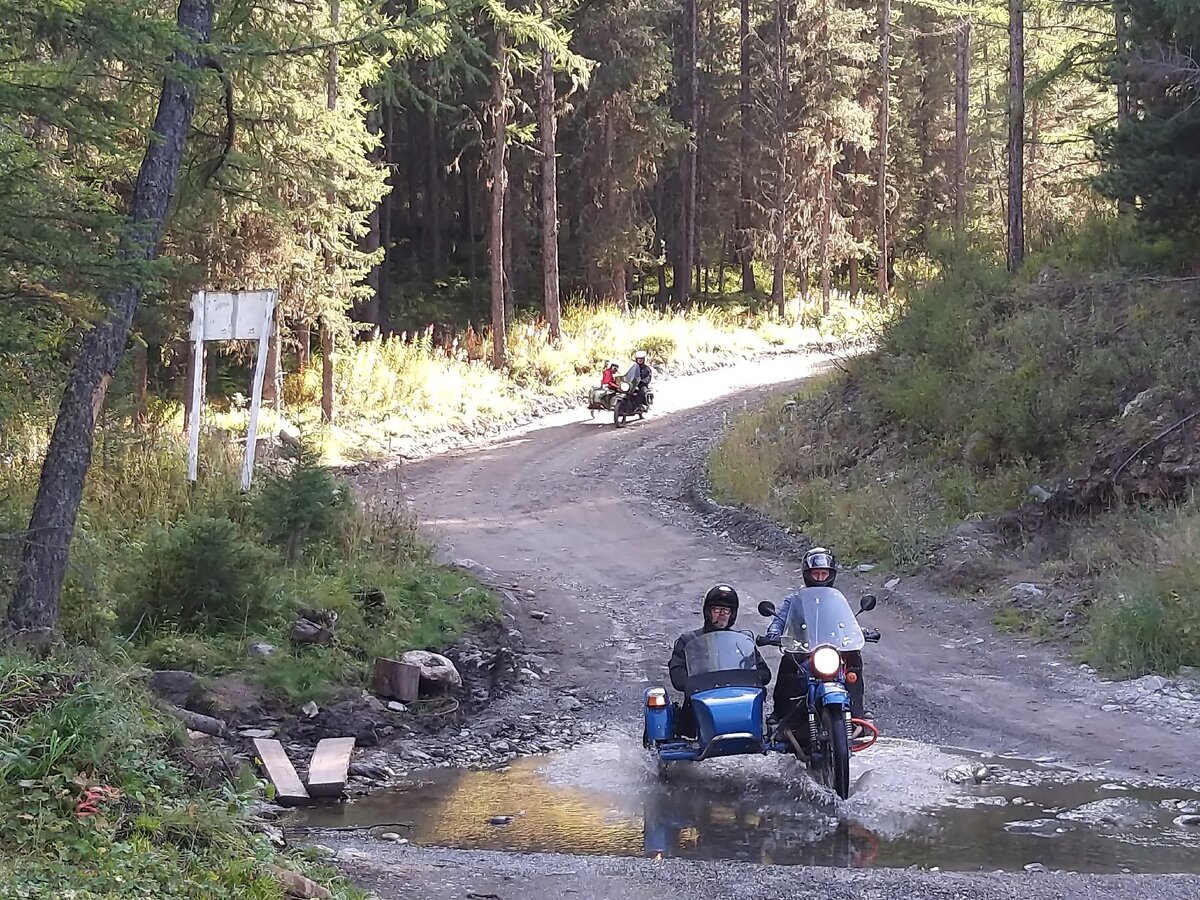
(289, 790)
(396, 680)
(329, 767)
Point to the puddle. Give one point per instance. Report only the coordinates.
(606, 798)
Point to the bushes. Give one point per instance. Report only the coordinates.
(68, 725)
(203, 575)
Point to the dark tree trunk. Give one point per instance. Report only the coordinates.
(141, 375)
(962, 98)
(691, 100)
(1016, 134)
(547, 140)
(43, 565)
(326, 372)
(499, 185)
(745, 236)
(885, 76)
(271, 391)
(614, 288)
(303, 334)
(512, 205)
(433, 190)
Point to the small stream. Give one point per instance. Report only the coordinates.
(606, 798)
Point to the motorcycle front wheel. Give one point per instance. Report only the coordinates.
(835, 764)
(618, 416)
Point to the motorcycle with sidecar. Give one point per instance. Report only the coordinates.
(725, 695)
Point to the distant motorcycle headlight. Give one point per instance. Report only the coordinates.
(826, 661)
(624, 386)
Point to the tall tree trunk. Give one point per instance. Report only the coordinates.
(1016, 134)
(45, 551)
(827, 199)
(615, 286)
(962, 99)
(271, 390)
(303, 335)
(856, 233)
(326, 371)
(745, 231)
(1124, 98)
(547, 142)
(691, 90)
(511, 206)
(779, 226)
(881, 179)
(387, 212)
(434, 193)
(331, 101)
(141, 377)
(499, 186)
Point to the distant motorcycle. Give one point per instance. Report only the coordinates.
(629, 403)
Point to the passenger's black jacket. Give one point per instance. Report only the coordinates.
(678, 664)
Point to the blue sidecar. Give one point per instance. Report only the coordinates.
(723, 709)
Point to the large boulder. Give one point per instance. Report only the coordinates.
(437, 672)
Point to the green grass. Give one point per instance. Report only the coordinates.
(980, 389)
(71, 723)
(393, 394)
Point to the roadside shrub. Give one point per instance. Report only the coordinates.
(301, 505)
(202, 575)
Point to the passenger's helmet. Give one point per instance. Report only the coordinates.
(721, 595)
(819, 568)
(613, 364)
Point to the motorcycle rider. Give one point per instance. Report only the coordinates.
(639, 376)
(819, 569)
(720, 612)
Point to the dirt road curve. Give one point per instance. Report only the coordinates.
(595, 522)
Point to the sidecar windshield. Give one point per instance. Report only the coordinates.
(821, 615)
(720, 651)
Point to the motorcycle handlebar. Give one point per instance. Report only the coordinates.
(763, 641)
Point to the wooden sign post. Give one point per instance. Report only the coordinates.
(229, 316)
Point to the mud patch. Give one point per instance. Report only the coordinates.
(605, 798)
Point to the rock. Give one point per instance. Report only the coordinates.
(310, 709)
(1035, 867)
(1150, 684)
(436, 670)
(1039, 493)
(1190, 675)
(296, 885)
(539, 615)
(891, 584)
(1026, 592)
(253, 733)
(373, 771)
(572, 704)
(173, 685)
(397, 706)
(260, 650)
(396, 680)
(1110, 707)
(389, 836)
(970, 773)
(865, 568)
(308, 632)
(419, 756)
(1138, 402)
(1188, 822)
(500, 820)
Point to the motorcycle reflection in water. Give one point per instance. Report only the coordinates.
(693, 824)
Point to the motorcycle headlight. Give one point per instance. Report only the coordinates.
(624, 385)
(826, 661)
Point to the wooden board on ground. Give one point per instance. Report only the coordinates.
(329, 766)
(396, 680)
(289, 790)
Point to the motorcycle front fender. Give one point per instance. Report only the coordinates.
(830, 693)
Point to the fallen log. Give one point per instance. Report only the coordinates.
(194, 720)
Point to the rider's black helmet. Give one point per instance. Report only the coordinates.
(721, 595)
(819, 558)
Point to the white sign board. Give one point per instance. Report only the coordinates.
(229, 316)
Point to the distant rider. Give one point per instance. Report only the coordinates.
(608, 378)
(720, 612)
(819, 569)
(639, 376)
